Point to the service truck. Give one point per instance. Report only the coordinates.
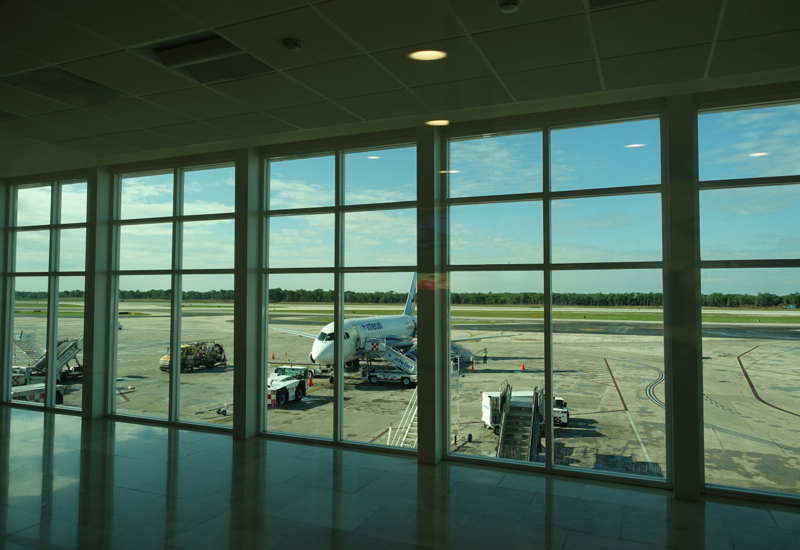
(287, 383)
(491, 413)
(34, 393)
(196, 355)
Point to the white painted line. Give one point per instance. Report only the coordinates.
(641, 443)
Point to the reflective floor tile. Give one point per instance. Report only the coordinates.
(587, 516)
(332, 509)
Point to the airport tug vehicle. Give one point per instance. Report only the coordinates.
(197, 354)
(287, 384)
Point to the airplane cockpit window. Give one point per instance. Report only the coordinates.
(321, 337)
(346, 335)
(329, 337)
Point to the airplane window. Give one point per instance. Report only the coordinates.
(321, 337)
(329, 337)
(346, 335)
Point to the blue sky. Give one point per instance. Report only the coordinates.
(755, 223)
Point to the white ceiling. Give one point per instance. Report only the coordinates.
(352, 69)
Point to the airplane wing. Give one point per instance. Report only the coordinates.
(295, 332)
(479, 338)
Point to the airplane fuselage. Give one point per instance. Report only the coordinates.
(396, 329)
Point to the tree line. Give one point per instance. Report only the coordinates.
(633, 299)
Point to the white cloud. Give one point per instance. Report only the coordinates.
(298, 194)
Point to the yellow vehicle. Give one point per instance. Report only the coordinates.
(197, 355)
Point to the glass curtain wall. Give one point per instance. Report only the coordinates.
(578, 228)
(750, 278)
(49, 236)
(175, 295)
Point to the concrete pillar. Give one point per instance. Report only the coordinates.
(682, 321)
(433, 326)
(6, 290)
(100, 314)
(249, 303)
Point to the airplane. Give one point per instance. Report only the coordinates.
(399, 331)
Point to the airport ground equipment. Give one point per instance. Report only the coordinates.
(67, 350)
(399, 366)
(198, 354)
(560, 412)
(34, 393)
(406, 435)
(287, 384)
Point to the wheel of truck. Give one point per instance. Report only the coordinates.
(298, 393)
(373, 379)
(59, 398)
(406, 382)
(497, 430)
(282, 397)
(330, 379)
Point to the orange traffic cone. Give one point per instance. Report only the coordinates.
(310, 380)
(523, 366)
(273, 356)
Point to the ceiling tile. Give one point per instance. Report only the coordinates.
(462, 62)
(578, 78)
(392, 104)
(14, 62)
(347, 77)
(316, 115)
(662, 67)
(536, 45)
(237, 66)
(143, 139)
(759, 53)
(137, 113)
(34, 129)
(194, 132)
(263, 38)
(385, 24)
(128, 73)
(753, 17)
(482, 15)
(251, 125)
(79, 120)
(214, 13)
(270, 91)
(21, 102)
(4, 114)
(33, 32)
(465, 94)
(651, 26)
(97, 147)
(199, 102)
(125, 22)
(63, 86)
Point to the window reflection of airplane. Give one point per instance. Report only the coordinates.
(360, 335)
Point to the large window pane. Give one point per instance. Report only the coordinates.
(146, 246)
(72, 250)
(142, 388)
(605, 229)
(33, 206)
(608, 369)
(504, 233)
(207, 349)
(750, 223)
(381, 175)
(73, 203)
(606, 155)
(300, 307)
(209, 191)
(70, 334)
(496, 165)
(506, 309)
(30, 339)
(751, 401)
(301, 241)
(749, 143)
(379, 397)
(146, 196)
(33, 251)
(301, 183)
(381, 238)
(208, 244)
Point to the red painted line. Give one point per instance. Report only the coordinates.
(377, 437)
(753, 388)
(615, 384)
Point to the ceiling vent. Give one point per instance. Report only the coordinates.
(63, 86)
(211, 59)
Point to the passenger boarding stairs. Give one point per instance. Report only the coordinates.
(26, 344)
(462, 352)
(67, 351)
(406, 435)
(380, 350)
(519, 428)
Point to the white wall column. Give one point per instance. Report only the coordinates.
(682, 301)
(6, 290)
(249, 303)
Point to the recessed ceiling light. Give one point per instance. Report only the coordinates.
(759, 154)
(636, 145)
(427, 55)
(449, 171)
(437, 122)
(373, 157)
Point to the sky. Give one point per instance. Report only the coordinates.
(754, 223)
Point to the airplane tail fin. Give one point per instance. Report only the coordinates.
(412, 297)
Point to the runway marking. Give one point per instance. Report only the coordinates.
(753, 388)
(615, 384)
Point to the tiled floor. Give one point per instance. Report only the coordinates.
(105, 484)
